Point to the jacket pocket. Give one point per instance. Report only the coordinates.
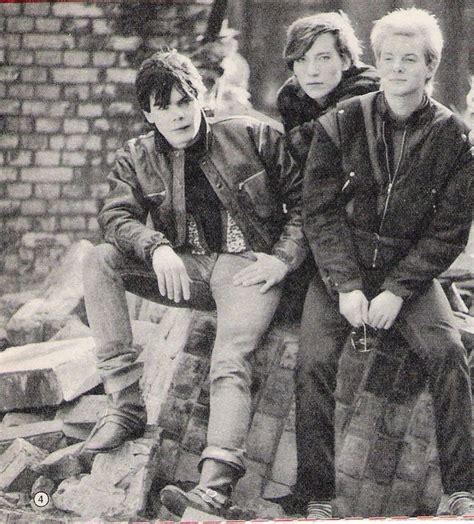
(157, 198)
(259, 194)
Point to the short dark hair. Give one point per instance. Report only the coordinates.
(303, 32)
(162, 71)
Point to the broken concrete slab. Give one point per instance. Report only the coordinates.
(64, 463)
(117, 486)
(74, 328)
(41, 494)
(61, 297)
(17, 463)
(85, 410)
(47, 435)
(47, 374)
(19, 418)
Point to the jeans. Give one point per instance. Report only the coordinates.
(243, 316)
(428, 325)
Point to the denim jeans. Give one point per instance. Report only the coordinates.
(428, 325)
(243, 316)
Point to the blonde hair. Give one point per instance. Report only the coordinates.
(411, 22)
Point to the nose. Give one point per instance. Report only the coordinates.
(397, 65)
(313, 68)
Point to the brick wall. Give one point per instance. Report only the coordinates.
(66, 104)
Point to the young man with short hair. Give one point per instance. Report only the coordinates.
(387, 198)
(224, 203)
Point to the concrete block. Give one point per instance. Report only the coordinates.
(277, 395)
(117, 486)
(47, 435)
(86, 410)
(47, 374)
(262, 438)
(19, 419)
(17, 463)
(285, 462)
(65, 462)
(74, 328)
(189, 373)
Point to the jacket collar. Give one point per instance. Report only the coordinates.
(421, 115)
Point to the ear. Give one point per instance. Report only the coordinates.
(147, 116)
(346, 62)
(431, 66)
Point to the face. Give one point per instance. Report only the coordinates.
(319, 70)
(402, 65)
(179, 121)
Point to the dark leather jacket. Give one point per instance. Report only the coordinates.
(410, 228)
(248, 167)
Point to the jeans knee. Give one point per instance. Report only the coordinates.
(234, 369)
(98, 256)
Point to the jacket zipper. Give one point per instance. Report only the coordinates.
(389, 187)
(242, 184)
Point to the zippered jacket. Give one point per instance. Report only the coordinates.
(246, 163)
(358, 216)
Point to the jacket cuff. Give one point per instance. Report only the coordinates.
(396, 288)
(348, 285)
(293, 261)
(157, 240)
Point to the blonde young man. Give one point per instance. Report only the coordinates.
(387, 207)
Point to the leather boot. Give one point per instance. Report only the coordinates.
(211, 495)
(124, 419)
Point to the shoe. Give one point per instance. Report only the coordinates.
(461, 504)
(109, 435)
(207, 500)
(319, 511)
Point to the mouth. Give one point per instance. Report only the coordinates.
(182, 129)
(316, 84)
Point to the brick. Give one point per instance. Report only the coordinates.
(76, 223)
(18, 418)
(76, 126)
(19, 224)
(9, 107)
(120, 108)
(48, 57)
(9, 208)
(61, 109)
(74, 75)
(101, 27)
(189, 374)
(71, 207)
(48, 224)
(262, 437)
(353, 456)
(104, 92)
(124, 43)
(30, 107)
(34, 74)
(77, 10)
(15, 124)
(33, 207)
(47, 435)
(2, 56)
(187, 467)
(8, 174)
(77, 92)
(121, 76)
(76, 58)
(101, 124)
(34, 142)
(20, 24)
(396, 418)
(72, 158)
(20, 57)
(47, 174)
(48, 25)
(196, 433)
(57, 142)
(47, 191)
(73, 190)
(77, 26)
(19, 191)
(10, 9)
(39, 9)
(404, 498)
(8, 141)
(90, 110)
(371, 500)
(20, 158)
(174, 415)
(104, 58)
(9, 41)
(48, 125)
(9, 74)
(87, 142)
(93, 224)
(20, 91)
(47, 158)
(48, 41)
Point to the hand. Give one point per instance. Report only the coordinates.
(384, 309)
(173, 279)
(267, 268)
(354, 307)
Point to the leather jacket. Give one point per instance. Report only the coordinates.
(247, 165)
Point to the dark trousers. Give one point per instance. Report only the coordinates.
(427, 323)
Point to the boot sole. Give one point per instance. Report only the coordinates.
(176, 501)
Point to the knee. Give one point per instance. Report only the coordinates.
(98, 256)
(449, 353)
(234, 367)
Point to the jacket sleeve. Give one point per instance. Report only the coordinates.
(324, 215)
(291, 247)
(123, 216)
(446, 235)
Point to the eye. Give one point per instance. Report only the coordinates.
(300, 59)
(410, 59)
(325, 58)
(185, 101)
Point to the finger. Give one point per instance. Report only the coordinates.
(161, 283)
(268, 284)
(169, 285)
(185, 284)
(388, 323)
(243, 273)
(177, 291)
(257, 279)
(364, 311)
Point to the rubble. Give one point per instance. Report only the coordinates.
(47, 435)
(19, 418)
(64, 463)
(85, 410)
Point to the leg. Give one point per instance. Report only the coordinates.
(323, 332)
(428, 324)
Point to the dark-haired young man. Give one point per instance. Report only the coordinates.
(224, 201)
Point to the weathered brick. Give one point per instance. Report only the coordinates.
(371, 499)
(33, 207)
(48, 41)
(47, 158)
(101, 124)
(76, 223)
(20, 57)
(353, 456)
(61, 109)
(9, 208)
(76, 125)
(47, 191)
(19, 24)
(9, 41)
(34, 142)
(88, 142)
(34, 74)
(77, 92)
(19, 157)
(9, 107)
(48, 125)
(174, 415)
(73, 190)
(74, 75)
(10, 74)
(19, 191)
(104, 58)
(47, 92)
(404, 498)
(187, 467)
(32, 107)
(120, 108)
(40, 9)
(8, 174)
(104, 92)
(92, 224)
(19, 124)
(2, 56)
(10, 9)
(99, 190)
(383, 459)
(78, 10)
(21, 91)
(101, 27)
(90, 110)
(8, 141)
(19, 224)
(413, 464)
(124, 43)
(57, 142)
(48, 25)
(77, 26)
(262, 437)
(121, 76)
(113, 143)
(48, 57)
(47, 174)
(76, 58)
(72, 158)
(47, 224)
(72, 207)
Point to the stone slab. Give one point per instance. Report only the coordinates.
(65, 463)
(46, 374)
(17, 463)
(19, 419)
(85, 410)
(47, 435)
